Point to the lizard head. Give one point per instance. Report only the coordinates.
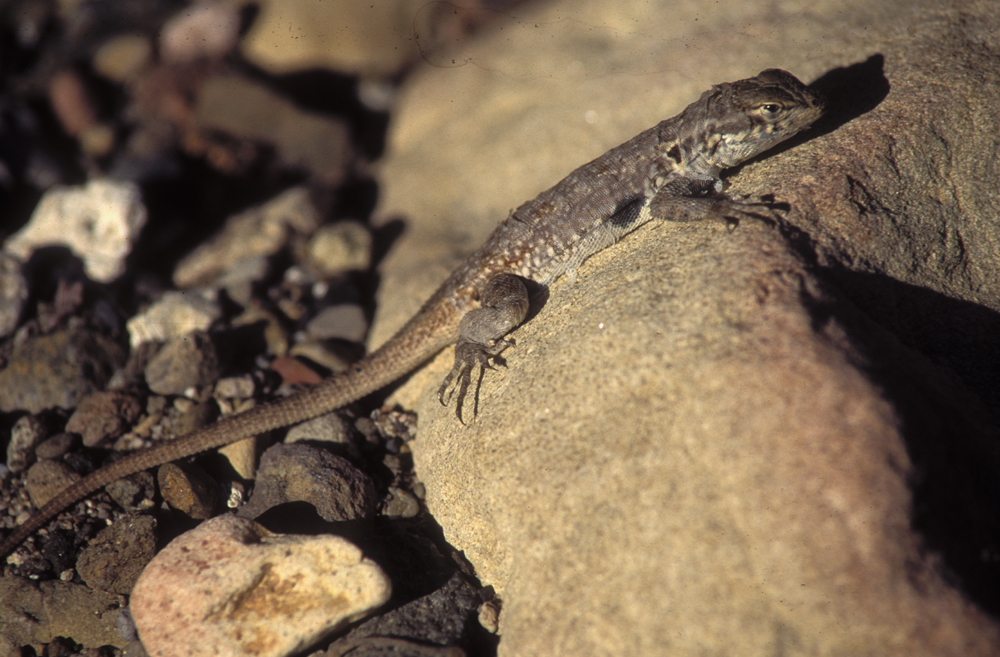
(735, 121)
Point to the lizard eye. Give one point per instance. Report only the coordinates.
(769, 110)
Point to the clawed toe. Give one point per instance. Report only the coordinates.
(468, 355)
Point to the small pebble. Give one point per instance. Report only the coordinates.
(184, 364)
(46, 479)
(401, 504)
(121, 58)
(56, 446)
(189, 489)
(341, 247)
(27, 433)
(302, 473)
(173, 315)
(104, 416)
(235, 387)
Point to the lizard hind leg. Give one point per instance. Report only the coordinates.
(504, 301)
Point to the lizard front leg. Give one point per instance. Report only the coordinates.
(713, 205)
(504, 305)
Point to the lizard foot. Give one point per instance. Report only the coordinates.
(468, 355)
(504, 301)
(764, 209)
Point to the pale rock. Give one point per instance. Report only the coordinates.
(231, 588)
(235, 387)
(258, 231)
(99, 222)
(341, 247)
(173, 315)
(203, 30)
(25, 435)
(347, 37)
(123, 57)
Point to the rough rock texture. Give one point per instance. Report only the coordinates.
(58, 369)
(229, 587)
(13, 293)
(99, 221)
(704, 445)
(33, 612)
(186, 362)
(116, 556)
(25, 435)
(103, 416)
(173, 315)
(258, 231)
(301, 473)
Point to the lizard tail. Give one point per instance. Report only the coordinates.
(401, 354)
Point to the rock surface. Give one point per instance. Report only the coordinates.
(33, 613)
(13, 293)
(173, 315)
(258, 231)
(117, 555)
(230, 587)
(702, 445)
(104, 416)
(188, 362)
(58, 369)
(99, 222)
(300, 473)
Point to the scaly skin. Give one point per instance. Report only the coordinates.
(669, 172)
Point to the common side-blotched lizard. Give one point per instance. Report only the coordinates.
(669, 172)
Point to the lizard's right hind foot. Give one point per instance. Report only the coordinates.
(468, 355)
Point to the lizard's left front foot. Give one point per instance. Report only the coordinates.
(764, 209)
(504, 301)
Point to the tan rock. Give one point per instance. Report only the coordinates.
(229, 587)
(258, 231)
(370, 40)
(700, 447)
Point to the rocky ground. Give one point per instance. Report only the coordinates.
(187, 233)
(770, 440)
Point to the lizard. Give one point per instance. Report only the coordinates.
(671, 171)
